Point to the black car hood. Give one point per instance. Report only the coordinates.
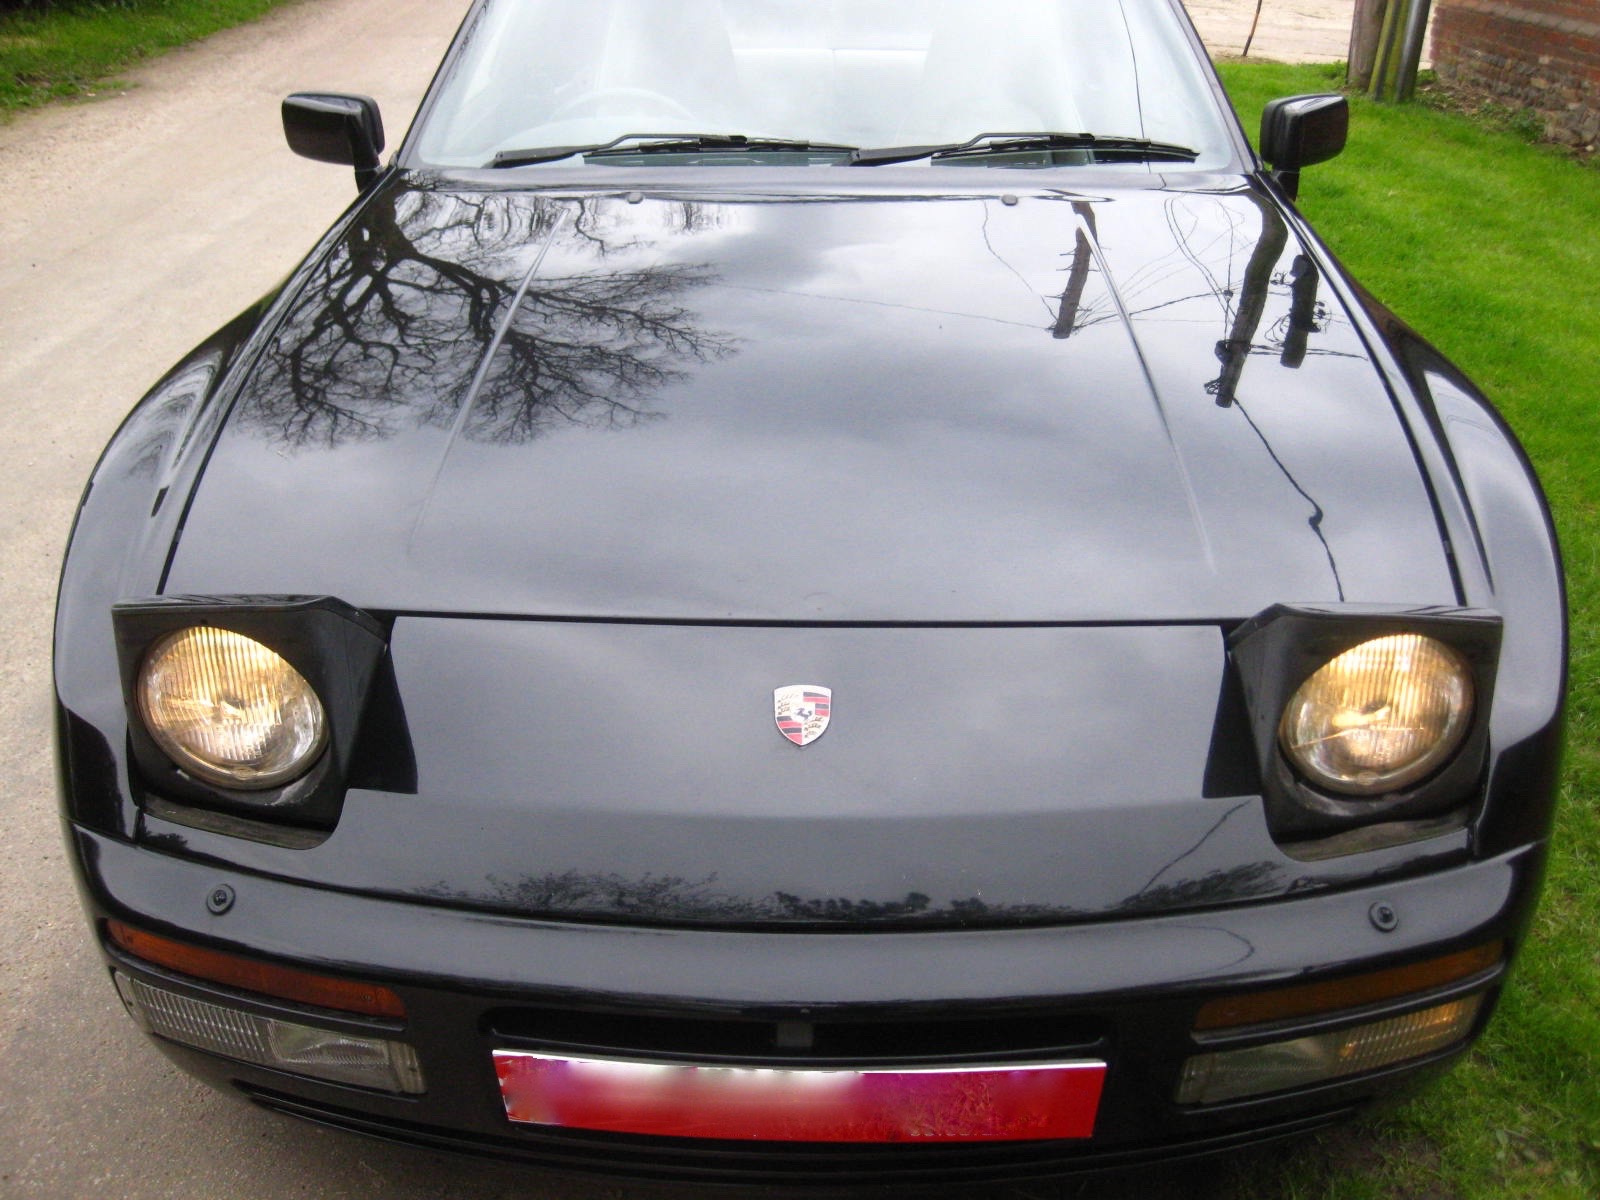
(1140, 405)
(996, 470)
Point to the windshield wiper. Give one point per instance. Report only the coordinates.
(661, 143)
(1120, 149)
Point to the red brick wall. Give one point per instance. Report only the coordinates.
(1538, 54)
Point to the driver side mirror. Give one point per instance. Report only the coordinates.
(333, 127)
(1300, 131)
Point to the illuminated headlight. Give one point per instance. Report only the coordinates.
(230, 710)
(1382, 715)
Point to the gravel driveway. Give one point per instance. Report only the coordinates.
(1289, 30)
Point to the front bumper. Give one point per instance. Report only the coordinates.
(1125, 992)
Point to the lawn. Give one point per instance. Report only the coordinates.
(1490, 247)
(69, 48)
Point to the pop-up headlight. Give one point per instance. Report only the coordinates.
(248, 706)
(1362, 715)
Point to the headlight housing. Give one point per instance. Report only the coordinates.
(230, 710)
(244, 712)
(1364, 717)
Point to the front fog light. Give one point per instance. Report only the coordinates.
(1277, 1066)
(229, 710)
(369, 1062)
(1380, 716)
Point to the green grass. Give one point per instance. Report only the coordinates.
(1490, 247)
(72, 49)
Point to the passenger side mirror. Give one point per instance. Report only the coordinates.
(1300, 131)
(336, 128)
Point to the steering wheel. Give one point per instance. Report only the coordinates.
(591, 100)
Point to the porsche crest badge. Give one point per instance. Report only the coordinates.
(801, 710)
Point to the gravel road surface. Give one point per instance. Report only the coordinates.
(130, 227)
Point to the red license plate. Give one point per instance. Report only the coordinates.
(1018, 1102)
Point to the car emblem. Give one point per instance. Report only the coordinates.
(801, 710)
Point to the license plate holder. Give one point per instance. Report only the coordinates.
(999, 1102)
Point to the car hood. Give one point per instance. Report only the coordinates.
(999, 470)
(1137, 405)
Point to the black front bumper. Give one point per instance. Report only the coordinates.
(1123, 991)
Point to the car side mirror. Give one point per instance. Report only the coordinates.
(336, 128)
(1300, 131)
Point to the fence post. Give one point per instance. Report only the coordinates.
(1365, 30)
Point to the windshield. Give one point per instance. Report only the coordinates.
(825, 76)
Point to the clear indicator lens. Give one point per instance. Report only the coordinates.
(365, 1061)
(229, 710)
(1277, 1066)
(1380, 716)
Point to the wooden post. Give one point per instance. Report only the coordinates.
(1365, 31)
(1384, 68)
(1411, 49)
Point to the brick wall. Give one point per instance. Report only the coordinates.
(1538, 54)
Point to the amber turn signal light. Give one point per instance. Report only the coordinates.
(1256, 1008)
(250, 975)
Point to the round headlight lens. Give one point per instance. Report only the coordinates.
(229, 710)
(1380, 716)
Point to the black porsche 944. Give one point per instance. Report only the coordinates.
(825, 589)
